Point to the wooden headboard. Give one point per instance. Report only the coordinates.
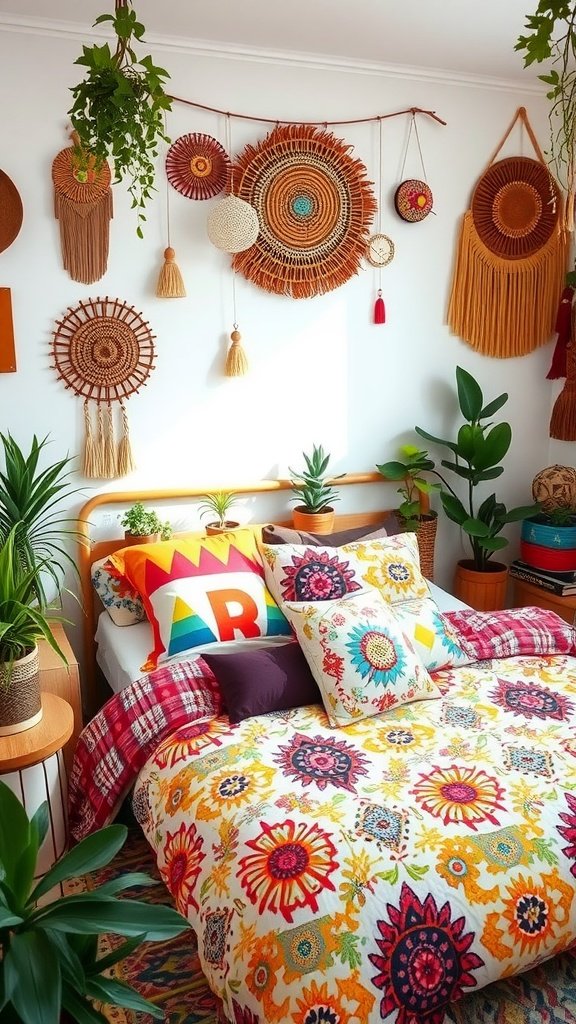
(91, 550)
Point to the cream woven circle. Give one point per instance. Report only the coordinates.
(233, 225)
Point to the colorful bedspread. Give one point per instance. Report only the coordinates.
(380, 871)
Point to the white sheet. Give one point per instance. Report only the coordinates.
(122, 650)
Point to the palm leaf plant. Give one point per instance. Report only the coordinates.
(218, 505)
(30, 504)
(49, 953)
(119, 106)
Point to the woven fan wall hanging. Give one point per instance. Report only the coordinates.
(511, 258)
(314, 206)
(197, 166)
(83, 207)
(103, 350)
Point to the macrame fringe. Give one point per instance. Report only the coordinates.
(89, 462)
(125, 458)
(84, 236)
(170, 283)
(502, 307)
(236, 360)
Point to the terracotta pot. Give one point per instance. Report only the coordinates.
(485, 591)
(213, 529)
(313, 522)
(20, 700)
(135, 538)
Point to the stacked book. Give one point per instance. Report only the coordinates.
(561, 583)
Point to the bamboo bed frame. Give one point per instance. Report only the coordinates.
(90, 550)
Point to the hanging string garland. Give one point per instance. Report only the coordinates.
(83, 208)
(197, 166)
(413, 198)
(314, 205)
(103, 350)
(511, 258)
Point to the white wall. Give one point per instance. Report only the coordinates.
(320, 370)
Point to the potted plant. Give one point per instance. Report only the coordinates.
(144, 526)
(548, 539)
(119, 106)
(477, 451)
(416, 462)
(49, 964)
(312, 489)
(218, 505)
(22, 621)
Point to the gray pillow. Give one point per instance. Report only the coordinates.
(389, 527)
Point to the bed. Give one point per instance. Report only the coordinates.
(376, 870)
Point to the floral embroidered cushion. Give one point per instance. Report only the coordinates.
(358, 654)
(435, 640)
(201, 591)
(123, 604)
(390, 565)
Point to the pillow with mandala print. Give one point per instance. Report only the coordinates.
(363, 662)
(390, 565)
(434, 639)
(121, 601)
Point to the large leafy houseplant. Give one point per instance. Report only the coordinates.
(31, 498)
(119, 106)
(476, 455)
(50, 969)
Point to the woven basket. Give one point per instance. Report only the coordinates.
(20, 700)
(426, 537)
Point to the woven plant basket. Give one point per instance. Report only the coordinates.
(426, 537)
(20, 700)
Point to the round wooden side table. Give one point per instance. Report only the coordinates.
(32, 765)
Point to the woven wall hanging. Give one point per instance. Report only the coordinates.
(197, 166)
(11, 212)
(103, 350)
(413, 199)
(83, 207)
(511, 257)
(314, 205)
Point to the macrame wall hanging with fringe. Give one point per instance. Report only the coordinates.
(83, 208)
(314, 205)
(103, 350)
(511, 257)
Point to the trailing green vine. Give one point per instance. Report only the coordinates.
(552, 36)
(119, 106)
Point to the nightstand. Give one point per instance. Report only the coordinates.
(527, 594)
(32, 765)
(63, 680)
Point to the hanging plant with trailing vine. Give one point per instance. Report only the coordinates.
(119, 106)
(552, 37)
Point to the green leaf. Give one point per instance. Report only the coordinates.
(14, 832)
(475, 528)
(32, 978)
(437, 440)
(470, 396)
(8, 919)
(453, 508)
(493, 543)
(70, 963)
(392, 470)
(80, 1010)
(491, 448)
(118, 993)
(516, 515)
(116, 955)
(90, 854)
(123, 917)
(493, 407)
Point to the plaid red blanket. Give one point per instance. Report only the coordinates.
(118, 741)
(505, 634)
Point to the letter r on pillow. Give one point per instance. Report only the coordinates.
(235, 612)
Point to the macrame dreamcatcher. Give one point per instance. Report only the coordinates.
(103, 350)
(83, 208)
(314, 206)
(380, 247)
(511, 257)
(413, 199)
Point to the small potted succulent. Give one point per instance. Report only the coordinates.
(144, 526)
(312, 489)
(415, 462)
(218, 504)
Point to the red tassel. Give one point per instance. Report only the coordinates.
(379, 310)
(563, 328)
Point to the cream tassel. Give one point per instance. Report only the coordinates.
(109, 453)
(99, 443)
(125, 458)
(170, 284)
(236, 360)
(89, 464)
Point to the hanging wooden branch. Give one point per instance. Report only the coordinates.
(322, 123)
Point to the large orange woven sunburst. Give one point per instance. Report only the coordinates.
(315, 208)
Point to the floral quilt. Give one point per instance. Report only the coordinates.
(381, 871)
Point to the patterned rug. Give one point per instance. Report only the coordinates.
(169, 973)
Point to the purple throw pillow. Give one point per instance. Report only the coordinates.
(267, 679)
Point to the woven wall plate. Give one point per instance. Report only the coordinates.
(413, 200)
(197, 166)
(315, 208)
(103, 350)
(380, 250)
(515, 207)
(11, 212)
